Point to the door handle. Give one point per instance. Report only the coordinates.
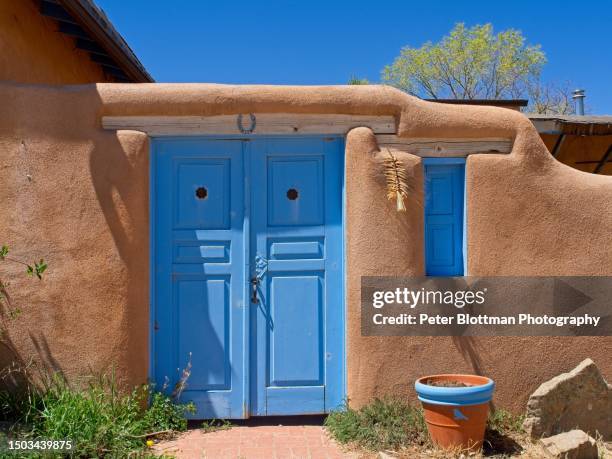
(254, 285)
(261, 266)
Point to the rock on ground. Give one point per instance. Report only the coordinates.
(574, 444)
(580, 399)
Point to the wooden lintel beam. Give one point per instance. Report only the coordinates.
(440, 147)
(265, 123)
(290, 123)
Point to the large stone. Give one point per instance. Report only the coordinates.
(580, 399)
(574, 444)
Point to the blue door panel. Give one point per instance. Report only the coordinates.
(212, 178)
(302, 176)
(202, 252)
(441, 245)
(287, 250)
(283, 401)
(297, 232)
(281, 352)
(205, 303)
(444, 206)
(440, 191)
(199, 274)
(296, 344)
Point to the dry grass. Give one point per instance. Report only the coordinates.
(366, 434)
(529, 450)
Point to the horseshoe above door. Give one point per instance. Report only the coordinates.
(241, 128)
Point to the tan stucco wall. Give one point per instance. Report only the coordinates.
(86, 210)
(33, 51)
(527, 215)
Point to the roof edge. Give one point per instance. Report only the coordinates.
(95, 22)
(494, 102)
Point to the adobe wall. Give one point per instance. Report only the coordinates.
(33, 51)
(85, 209)
(527, 215)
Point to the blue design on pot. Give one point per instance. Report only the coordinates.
(455, 396)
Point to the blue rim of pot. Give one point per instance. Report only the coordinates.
(454, 396)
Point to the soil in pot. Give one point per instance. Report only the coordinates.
(446, 383)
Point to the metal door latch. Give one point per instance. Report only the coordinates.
(254, 285)
(261, 266)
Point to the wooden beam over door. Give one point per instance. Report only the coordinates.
(290, 123)
(438, 147)
(265, 123)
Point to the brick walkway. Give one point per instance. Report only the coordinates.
(254, 442)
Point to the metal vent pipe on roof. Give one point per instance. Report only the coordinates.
(579, 101)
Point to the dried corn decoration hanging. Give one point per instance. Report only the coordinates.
(397, 181)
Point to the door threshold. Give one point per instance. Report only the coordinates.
(296, 420)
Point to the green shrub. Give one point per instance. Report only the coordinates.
(387, 423)
(99, 419)
(165, 414)
(505, 422)
(19, 406)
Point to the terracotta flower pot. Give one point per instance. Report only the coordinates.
(456, 408)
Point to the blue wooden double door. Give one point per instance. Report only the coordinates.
(247, 297)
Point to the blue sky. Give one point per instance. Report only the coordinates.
(325, 42)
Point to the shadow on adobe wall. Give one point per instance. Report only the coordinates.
(468, 346)
(119, 165)
(17, 371)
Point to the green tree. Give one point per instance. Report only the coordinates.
(550, 98)
(469, 63)
(355, 80)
